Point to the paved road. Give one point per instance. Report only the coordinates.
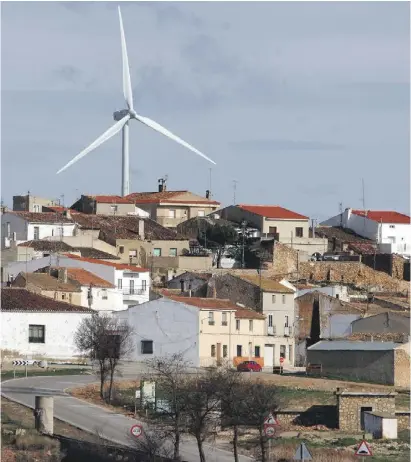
(92, 418)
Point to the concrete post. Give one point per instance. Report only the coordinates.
(44, 414)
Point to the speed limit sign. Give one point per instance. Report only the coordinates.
(136, 430)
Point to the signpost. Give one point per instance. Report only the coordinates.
(302, 453)
(136, 430)
(270, 423)
(363, 450)
(23, 362)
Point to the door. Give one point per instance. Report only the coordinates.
(218, 354)
(364, 409)
(131, 287)
(268, 355)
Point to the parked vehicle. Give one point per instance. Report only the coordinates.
(249, 366)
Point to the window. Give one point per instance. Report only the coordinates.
(52, 232)
(121, 249)
(171, 213)
(337, 295)
(113, 208)
(224, 319)
(299, 232)
(119, 283)
(283, 299)
(146, 347)
(239, 350)
(213, 351)
(61, 229)
(63, 296)
(36, 233)
(8, 229)
(270, 320)
(157, 252)
(273, 298)
(250, 325)
(257, 351)
(132, 253)
(36, 333)
(282, 351)
(225, 351)
(392, 226)
(104, 294)
(210, 318)
(131, 286)
(237, 324)
(143, 285)
(201, 213)
(36, 208)
(173, 252)
(286, 321)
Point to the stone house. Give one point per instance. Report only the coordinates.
(386, 363)
(319, 317)
(269, 297)
(189, 281)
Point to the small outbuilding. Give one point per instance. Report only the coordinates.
(381, 425)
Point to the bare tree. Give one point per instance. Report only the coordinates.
(169, 373)
(105, 340)
(153, 443)
(202, 408)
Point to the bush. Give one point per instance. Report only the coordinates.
(33, 441)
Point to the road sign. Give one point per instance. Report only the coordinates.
(302, 453)
(363, 449)
(24, 362)
(269, 431)
(281, 360)
(136, 430)
(271, 420)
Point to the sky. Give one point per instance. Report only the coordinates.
(296, 102)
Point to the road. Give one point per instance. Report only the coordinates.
(92, 418)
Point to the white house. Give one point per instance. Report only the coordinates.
(132, 281)
(390, 230)
(18, 227)
(39, 327)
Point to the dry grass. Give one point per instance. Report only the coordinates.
(319, 455)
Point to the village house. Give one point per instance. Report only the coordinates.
(190, 283)
(133, 281)
(107, 205)
(30, 203)
(207, 331)
(319, 317)
(269, 297)
(390, 230)
(38, 327)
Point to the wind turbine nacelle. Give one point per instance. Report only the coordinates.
(118, 115)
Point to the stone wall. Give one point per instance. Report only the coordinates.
(351, 273)
(349, 408)
(403, 420)
(285, 260)
(402, 367)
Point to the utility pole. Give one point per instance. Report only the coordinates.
(244, 225)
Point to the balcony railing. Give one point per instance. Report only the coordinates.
(133, 291)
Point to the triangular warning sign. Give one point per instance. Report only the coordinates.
(363, 449)
(270, 420)
(302, 453)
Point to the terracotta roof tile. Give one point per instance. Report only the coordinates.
(86, 278)
(42, 217)
(118, 266)
(13, 299)
(244, 313)
(384, 216)
(166, 196)
(273, 211)
(91, 252)
(209, 303)
(48, 246)
(267, 285)
(46, 282)
(102, 199)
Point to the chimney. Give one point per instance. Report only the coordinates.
(182, 285)
(214, 291)
(62, 275)
(208, 194)
(189, 287)
(160, 185)
(141, 229)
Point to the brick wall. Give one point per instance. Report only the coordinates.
(349, 409)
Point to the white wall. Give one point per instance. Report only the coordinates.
(141, 294)
(114, 301)
(279, 310)
(59, 333)
(172, 326)
(332, 291)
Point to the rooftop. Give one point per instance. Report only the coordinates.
(108, 199)
(347, 345)
(91, 252)
(48, 246)
(13, 299)
(42, 217)
(273, 211)
(86, 278)
(168, 197)
(384, 216)
(267, 285)
(342, 234)
(118, 266)
(46, 282)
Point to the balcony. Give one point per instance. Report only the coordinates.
(131, 292)
(287, 331)
(271, 330)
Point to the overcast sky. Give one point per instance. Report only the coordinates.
(296, 101)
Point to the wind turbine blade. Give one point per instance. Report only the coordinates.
(100, 140)
(158, 128)
(128, 94)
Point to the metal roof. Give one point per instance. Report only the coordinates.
(345, 345)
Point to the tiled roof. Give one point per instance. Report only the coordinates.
(48, 246)
(244, 313)
(54, 208)
(267, 285)
(91, 252)
(347, 345)
(209, 303)
(118, 266)
(273, 211)
(42, 217)
(111, 199)
(342, 234)
(46, 282)
(166, 196)
(85, 278)
(22, 300)
(384, 216)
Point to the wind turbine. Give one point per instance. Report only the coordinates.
(123, 117)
